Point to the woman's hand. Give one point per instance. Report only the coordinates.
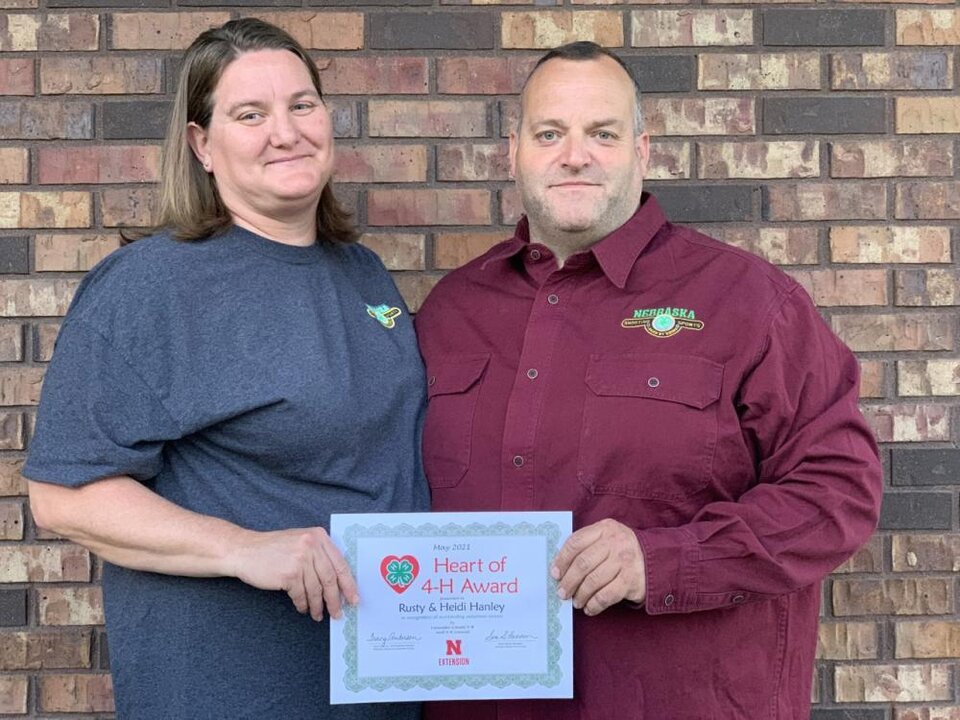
(304, 563)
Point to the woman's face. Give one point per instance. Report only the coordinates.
(269, 144)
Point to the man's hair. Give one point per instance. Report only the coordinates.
(190, 204)
(586, 50)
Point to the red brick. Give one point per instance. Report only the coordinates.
(128, 208)
(830, 288)
(76, 693)
(72, 253)
(71, 605)
(891, 158)
(414, 287)
(14, 166)
(161, 31)
(891, 683)
(699, 116)
(887, 332)
(886, 244)
(11, 523)
(691, 27)
(428, 207)
(511, 207)
(11, 481)
(433, 118)
(110, 164)
(20, 385)
(13, 694)
(909, 423)
(11, 435)
(669, 161)
(926, 553)
(928, 377)
(46, 650)
(46, 120)
(542, 30)
(321, 30)
(783, 246)
(11, 342)
(101, 75)
(46, 334)
(473, 161)
(381, 163)
(483, 75)
(901, 596)
(872, 378)
(928, 713)
(451, 250)
(33, 297)
(16, 76)
(928, 200)
(398, 75)
(60, 562)
(827, 201)
(74, 31)
(759, 159)
(398, 251)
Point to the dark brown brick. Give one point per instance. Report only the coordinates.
(14, 255)
(916, 511)
(434, 30)
(138, 120)
(13, 608)
(824, 115)
(709, 203)
(795, 27)
(925, 467)
(664, 73)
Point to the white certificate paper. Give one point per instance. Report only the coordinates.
(453, 606)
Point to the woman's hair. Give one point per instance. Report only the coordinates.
(190, 204)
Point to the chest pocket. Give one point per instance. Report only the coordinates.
(453, 387)
(649, 425)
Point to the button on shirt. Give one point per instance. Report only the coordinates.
(691, 391)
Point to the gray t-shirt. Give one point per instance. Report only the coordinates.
(262, 383)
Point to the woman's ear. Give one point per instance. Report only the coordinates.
(197, 137)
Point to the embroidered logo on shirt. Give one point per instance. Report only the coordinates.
(663, 321)
(384, 314)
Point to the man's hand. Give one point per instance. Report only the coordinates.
(304, 563)
(600, 565)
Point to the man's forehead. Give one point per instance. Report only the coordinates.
(560, 76)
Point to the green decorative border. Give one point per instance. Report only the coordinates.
(551, 678)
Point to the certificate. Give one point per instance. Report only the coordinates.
(453, 606)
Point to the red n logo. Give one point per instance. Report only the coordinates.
(453, 647)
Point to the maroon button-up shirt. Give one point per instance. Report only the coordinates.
(691, 391)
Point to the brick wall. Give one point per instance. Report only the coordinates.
(821, 135)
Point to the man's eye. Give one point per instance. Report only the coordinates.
(605, 135)
(303, 107)
(250, 116)
(548, 135)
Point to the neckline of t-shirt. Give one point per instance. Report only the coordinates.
(295, 254)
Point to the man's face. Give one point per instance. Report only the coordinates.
(578, 164)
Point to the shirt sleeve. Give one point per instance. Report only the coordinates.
(817, 496)
(97, 417)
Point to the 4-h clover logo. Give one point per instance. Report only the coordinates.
(399, 572)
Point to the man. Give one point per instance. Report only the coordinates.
(683, 398)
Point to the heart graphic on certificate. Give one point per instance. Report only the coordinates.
(399, 572)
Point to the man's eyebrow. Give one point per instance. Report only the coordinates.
(258, 103)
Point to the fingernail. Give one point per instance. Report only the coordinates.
(554, 572)
(561, 593)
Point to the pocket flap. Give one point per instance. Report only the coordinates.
(685, 379)
(455, 374)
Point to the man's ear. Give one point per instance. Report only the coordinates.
(198, 139)
(642, 148)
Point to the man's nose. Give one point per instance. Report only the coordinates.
(576, 154)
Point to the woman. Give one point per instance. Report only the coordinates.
(218, 390)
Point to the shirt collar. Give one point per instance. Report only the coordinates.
(616, 253)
